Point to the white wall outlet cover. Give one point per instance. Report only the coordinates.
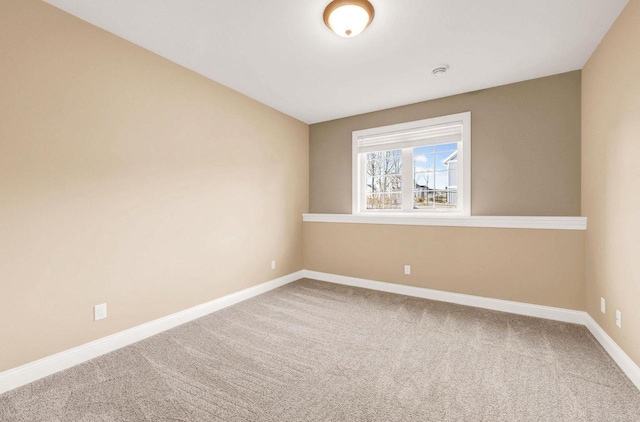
(618, 318)
(603, 305)
(273, 264)
(407, 269)
(100, 311)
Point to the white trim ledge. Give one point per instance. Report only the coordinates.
(16, 377)
(501, 222)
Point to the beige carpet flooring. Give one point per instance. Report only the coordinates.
(313, 351)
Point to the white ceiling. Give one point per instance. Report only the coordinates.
(280, 53)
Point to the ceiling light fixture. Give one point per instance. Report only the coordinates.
(440, 70)
(348, 18)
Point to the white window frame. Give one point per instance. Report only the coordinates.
(464, 167)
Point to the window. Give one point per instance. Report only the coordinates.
(415, 167)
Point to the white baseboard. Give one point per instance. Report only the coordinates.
(623, 360)
(33, 371)
(546, 312)
(627, 365)
(41, 368)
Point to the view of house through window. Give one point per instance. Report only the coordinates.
(415, 166)
(435, 176)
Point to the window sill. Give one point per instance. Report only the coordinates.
(507, 222)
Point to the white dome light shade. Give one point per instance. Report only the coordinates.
(348, 18)
(348, 21)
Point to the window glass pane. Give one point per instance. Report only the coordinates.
(423, 181)
(380, 184)
(424, 150)
(453, 197)
(423, 162)
(391, 165)
(384, 154)
(447, 147)
(384, 181)
(384, 201)
(422, 199)
(374, 201)
(440, 197)
(373, 167)
(446, 198)
(369, 185)
(393, 201)
(435, 176)
(442, 180)
(443, 159)
(385, 162)
(453, 175)
(384, 184)
(393, 184)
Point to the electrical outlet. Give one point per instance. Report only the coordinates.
(618, 318)
(603, 305)
(100, 311)
(273, 264)
(407, 269)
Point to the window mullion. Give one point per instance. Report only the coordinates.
(407, 179)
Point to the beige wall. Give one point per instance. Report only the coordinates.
(525, 148)
(544, 267)
(129, 180)
(611, 179)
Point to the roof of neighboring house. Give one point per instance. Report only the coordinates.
(454, 155)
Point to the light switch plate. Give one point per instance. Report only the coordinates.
(603, 305)
(618, 318)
